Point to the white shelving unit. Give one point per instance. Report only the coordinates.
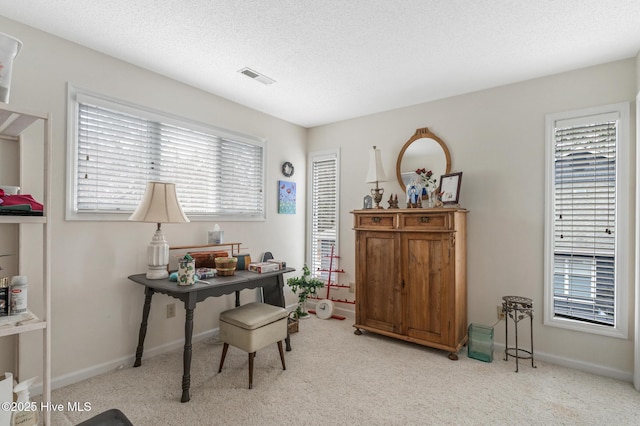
(13, 122)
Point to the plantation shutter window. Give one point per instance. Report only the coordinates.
(324, 212)
(587, 218)
(584, 226)
(118, 150)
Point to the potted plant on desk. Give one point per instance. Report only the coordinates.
(304, 286)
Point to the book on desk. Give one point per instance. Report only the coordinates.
(270, 265)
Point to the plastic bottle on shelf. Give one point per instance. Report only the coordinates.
(5, 298)
(18, 292)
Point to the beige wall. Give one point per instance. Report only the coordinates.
(496, 138)
(96, 309)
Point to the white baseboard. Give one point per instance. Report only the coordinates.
(599, 370)
(119, 363)
(338, 309)
(348, 313)
(80, 375)
(86, 373)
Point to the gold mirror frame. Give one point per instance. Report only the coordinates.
(426, 134)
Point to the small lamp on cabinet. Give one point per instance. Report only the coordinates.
(159, 205)
(376, 174)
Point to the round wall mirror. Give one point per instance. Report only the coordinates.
(423, 150)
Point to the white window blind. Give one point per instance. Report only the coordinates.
(118, 151)
(584, 225)
(324, 212)
(586, 241)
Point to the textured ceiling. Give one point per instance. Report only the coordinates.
(338, 59)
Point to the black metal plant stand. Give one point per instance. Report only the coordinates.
(517, 308)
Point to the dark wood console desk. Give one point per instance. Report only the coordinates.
(272, 284)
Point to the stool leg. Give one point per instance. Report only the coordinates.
(251, 356)
(284, 367)
(225, 347)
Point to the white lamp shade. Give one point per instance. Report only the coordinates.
(376, 172)
(159, 204)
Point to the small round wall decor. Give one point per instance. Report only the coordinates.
(287, 169)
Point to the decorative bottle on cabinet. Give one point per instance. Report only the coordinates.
(411, 276)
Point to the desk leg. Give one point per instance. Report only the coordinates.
(143, 326)
(186, 357)
(274, 295)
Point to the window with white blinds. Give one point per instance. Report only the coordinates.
(323, 214)
(584, 285)
(117, 148)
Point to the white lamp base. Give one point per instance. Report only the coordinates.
(158, 257)
(157, 272)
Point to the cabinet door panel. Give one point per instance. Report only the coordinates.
(378, 295)
(427, 292)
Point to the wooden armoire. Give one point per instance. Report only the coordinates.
(411, 275)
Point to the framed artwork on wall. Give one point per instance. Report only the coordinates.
(286, 197)
(450, 188)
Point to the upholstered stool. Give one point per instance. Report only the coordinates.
(251, 327)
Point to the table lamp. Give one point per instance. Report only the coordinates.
(159, 205)
(376, 174)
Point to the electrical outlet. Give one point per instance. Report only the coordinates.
(500, 312)
(171, 310)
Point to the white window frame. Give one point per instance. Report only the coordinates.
(313, 157)
(619, 112)
(75, 93)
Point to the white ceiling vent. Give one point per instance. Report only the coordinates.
(256, 76)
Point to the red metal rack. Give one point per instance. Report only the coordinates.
(329, 285)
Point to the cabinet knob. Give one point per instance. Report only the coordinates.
(425, 219)
(376, 219)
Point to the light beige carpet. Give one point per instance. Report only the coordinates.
(334, 377)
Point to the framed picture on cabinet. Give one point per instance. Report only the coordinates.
(450, 188)
(367, 202)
